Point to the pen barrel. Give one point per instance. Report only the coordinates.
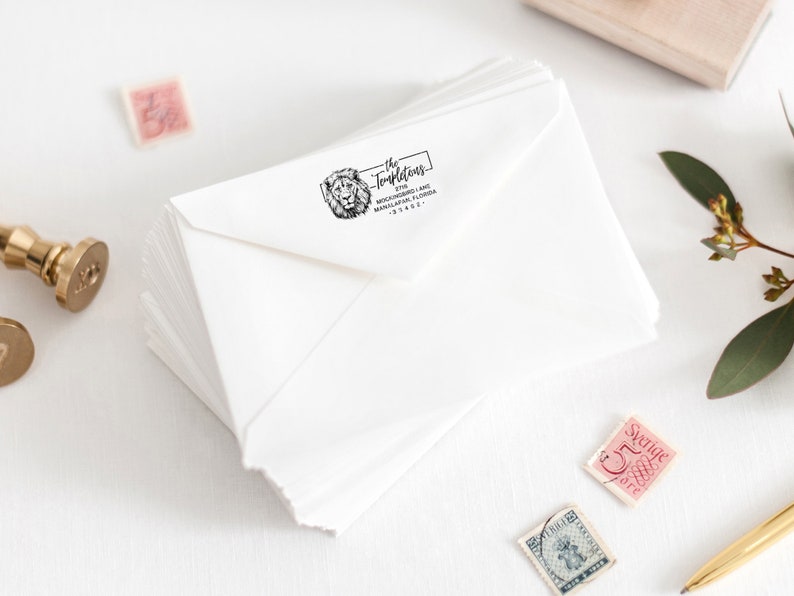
(745, 548)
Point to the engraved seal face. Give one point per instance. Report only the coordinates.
(16, 350)
(81, 274)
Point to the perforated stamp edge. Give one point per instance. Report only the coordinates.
(588, 527)
(609, 482)
(135, 124)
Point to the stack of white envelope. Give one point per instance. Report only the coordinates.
(342, 311)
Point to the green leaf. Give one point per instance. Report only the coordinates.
(723, 251)
(785, 113)
(754, 353)
(698, 179)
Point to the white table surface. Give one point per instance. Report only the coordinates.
(115, 479)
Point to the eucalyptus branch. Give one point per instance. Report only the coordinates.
(764, 344)
(774, 250)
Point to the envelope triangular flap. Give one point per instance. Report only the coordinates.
(264, 311)
(421, 182)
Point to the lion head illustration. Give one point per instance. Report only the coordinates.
(346, 193)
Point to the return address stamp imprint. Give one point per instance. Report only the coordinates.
(566, 551)
(631, 461)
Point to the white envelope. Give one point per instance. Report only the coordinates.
(338, 350)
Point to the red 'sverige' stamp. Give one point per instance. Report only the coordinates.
(157, 111)
(631, 461)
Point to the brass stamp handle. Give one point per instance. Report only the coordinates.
(76, 272)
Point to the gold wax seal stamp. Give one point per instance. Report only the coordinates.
(16, 351)
(76, 272)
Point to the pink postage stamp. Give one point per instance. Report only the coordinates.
(157, 111)
(631, 461)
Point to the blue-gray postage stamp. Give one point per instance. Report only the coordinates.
(567, 551)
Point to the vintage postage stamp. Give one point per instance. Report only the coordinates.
(157, 111)
(631, 460)
(566, 551)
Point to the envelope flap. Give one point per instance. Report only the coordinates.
(385, 204)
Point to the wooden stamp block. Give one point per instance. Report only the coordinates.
(704, 40)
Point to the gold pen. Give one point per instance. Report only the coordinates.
(744, 549)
